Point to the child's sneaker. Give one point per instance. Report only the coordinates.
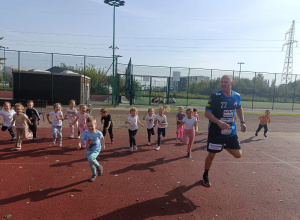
(93, 178)
(33, 139)
(112, 141)
(16, 148)
(157, 148)
(13, 139)
(149, 144)
(176, 139)
(130, 149)
(189, 155)
(180, 140)
(60, 144)
(256, 134)
(135, 147)
(78, 137)
(265, 135)
(72, 136)
(53, 141)
(100, 170)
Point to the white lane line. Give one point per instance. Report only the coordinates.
(276, 158)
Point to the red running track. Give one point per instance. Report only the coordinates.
(47, 182)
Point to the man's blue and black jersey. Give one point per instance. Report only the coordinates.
(223, 108)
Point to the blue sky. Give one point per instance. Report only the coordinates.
(206, 34)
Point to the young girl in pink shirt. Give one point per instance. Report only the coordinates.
(81, 118)
(190, 128)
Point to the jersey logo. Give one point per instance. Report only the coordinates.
(223, 104)
(228, 113)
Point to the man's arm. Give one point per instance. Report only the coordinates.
(240, 113)
(213, 119)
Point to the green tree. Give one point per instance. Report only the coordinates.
(1, 58)
(100, 82)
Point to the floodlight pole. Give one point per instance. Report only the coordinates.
(4, 69)
(240, 63)
(114, 3)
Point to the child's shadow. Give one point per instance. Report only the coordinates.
(39, 195)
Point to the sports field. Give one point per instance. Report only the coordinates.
(48, 182)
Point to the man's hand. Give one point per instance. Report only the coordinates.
(243, 127)
(223, 125)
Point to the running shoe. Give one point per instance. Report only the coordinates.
(130, 149)
(206, 182)
(100, 170)
(157, 148)
(135, 147)
(93, 178)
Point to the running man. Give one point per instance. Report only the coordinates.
(220, 111)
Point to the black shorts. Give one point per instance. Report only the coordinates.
(216, 144)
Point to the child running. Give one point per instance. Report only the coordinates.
(57, 118)
(95, 142)
(264, 121)
(190, 128)
(7, 114)
(21, 123)
(150, 117)
(107, 124)
(71, 115)
(81, 118)
(195, 114)
(33, 116)
(180, 115)
(133, 121)
(161, 122)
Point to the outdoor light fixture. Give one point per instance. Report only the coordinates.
(114, 3)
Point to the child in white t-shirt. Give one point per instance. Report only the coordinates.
(133, 121)
(161, 122)
(8, 114)
(57, 118)
(150, 117)
(190, 124)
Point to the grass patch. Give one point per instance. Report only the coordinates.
(245, 104)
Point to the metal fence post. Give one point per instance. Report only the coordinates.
(188, 87)
(233, 80)
(168, 85)
(211, 74)
(274, 92)
(294, 92)
(52, 87)
(253, 89)
(19, 66)
(150, 90)
(84, 85)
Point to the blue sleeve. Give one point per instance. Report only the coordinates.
(209, 106)
(83, 137)
(238, 101)
(100, 135)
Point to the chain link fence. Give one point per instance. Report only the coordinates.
(150, 85)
